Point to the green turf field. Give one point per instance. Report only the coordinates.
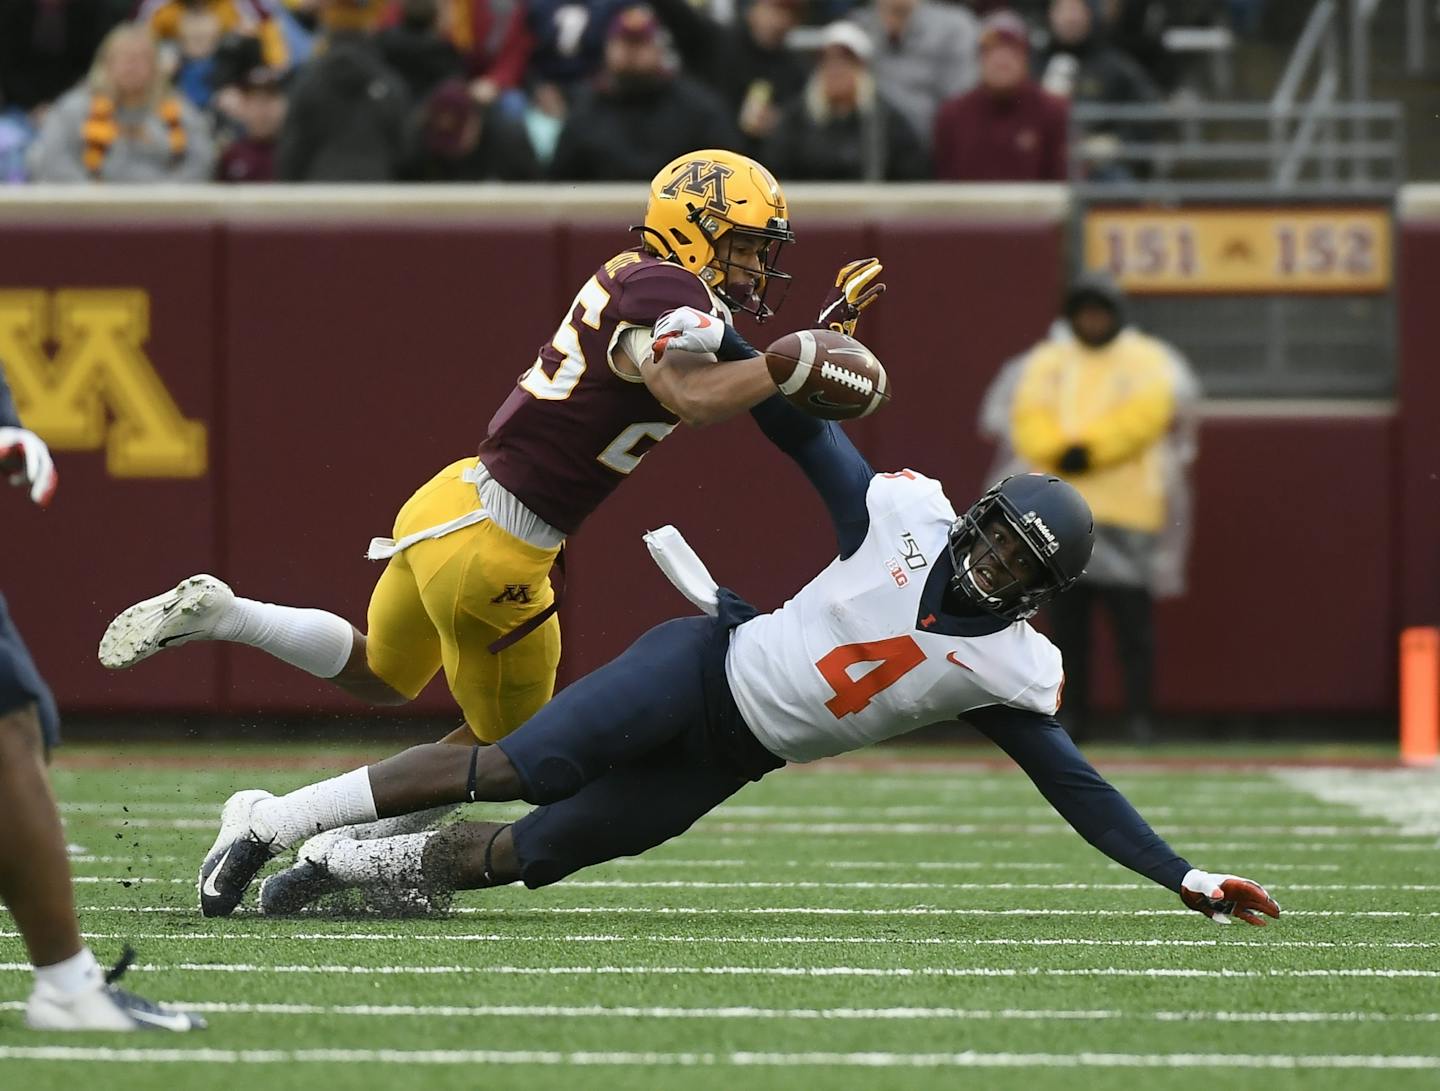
(881, 924)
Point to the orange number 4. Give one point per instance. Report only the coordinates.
(893, 658)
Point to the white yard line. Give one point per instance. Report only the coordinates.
(1029, 829)
(1408, 799)
(902, 941)
(812, 884)
(595, 1011)
(914, 865)
(958, 809)
(1221, 1061)
(792, 971)
(805, 910)
(827, 829)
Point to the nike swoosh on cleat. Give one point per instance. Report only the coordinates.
(208, 888)
(176, 636)
(164, 1020)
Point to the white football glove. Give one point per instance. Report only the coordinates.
(25, 460)
(1224, 897)
(689, 330)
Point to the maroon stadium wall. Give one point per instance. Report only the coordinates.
(319, 368)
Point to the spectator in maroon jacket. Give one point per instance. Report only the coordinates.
(261, 110)
(1007, 129)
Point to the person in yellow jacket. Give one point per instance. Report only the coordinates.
(1098, 406)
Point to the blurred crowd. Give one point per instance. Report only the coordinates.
(521, 90)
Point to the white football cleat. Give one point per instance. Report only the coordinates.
(236, 857)
(105, 1007)
(187, 613)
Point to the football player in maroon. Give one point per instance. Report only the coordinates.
(467, 584)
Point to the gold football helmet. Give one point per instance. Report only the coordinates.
(698, 198)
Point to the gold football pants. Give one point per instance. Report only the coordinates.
(443, 601)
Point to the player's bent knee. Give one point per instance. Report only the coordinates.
(549, 780)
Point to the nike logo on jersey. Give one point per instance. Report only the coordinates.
(176, 636)
(208, 888)
(951, 656)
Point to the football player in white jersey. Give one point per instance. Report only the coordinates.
(920, 618)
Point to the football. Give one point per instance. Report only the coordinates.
(828, 374)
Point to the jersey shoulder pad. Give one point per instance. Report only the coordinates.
(906, 491)
(1032, 674)
(649, 288)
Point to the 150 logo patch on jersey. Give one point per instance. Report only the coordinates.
(910, 551)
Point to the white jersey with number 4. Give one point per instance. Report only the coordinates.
(855, 657)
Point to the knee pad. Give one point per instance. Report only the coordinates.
(551, 779)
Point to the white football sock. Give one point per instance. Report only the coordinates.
(390, 862)
(77, 974)
(313, 640)
(339, 801)
(401, 824)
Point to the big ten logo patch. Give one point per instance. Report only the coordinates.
(98, 387)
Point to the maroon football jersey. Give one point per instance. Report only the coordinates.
(574, 428)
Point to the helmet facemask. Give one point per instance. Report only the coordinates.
(1012, 599)
(716, 274)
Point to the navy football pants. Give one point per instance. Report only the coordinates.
(20, 682)
(632, 754)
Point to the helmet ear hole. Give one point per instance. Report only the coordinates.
(680, 236)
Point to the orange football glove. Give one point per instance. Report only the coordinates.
(1223, 897)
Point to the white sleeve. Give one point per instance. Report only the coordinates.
(1047, 681)
(635, 342)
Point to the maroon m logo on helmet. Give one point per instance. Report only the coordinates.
(704, 179)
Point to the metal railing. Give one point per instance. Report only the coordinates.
(1318, 148)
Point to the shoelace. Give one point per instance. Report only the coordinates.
(116, 972)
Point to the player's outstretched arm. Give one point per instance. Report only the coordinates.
(1106, 819)
(1085, 799)
(824, 452)
(684, 376)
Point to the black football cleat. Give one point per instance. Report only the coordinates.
(236, 857)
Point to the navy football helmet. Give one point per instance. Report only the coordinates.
(1048, 515)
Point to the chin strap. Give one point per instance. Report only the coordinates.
(116, 972)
